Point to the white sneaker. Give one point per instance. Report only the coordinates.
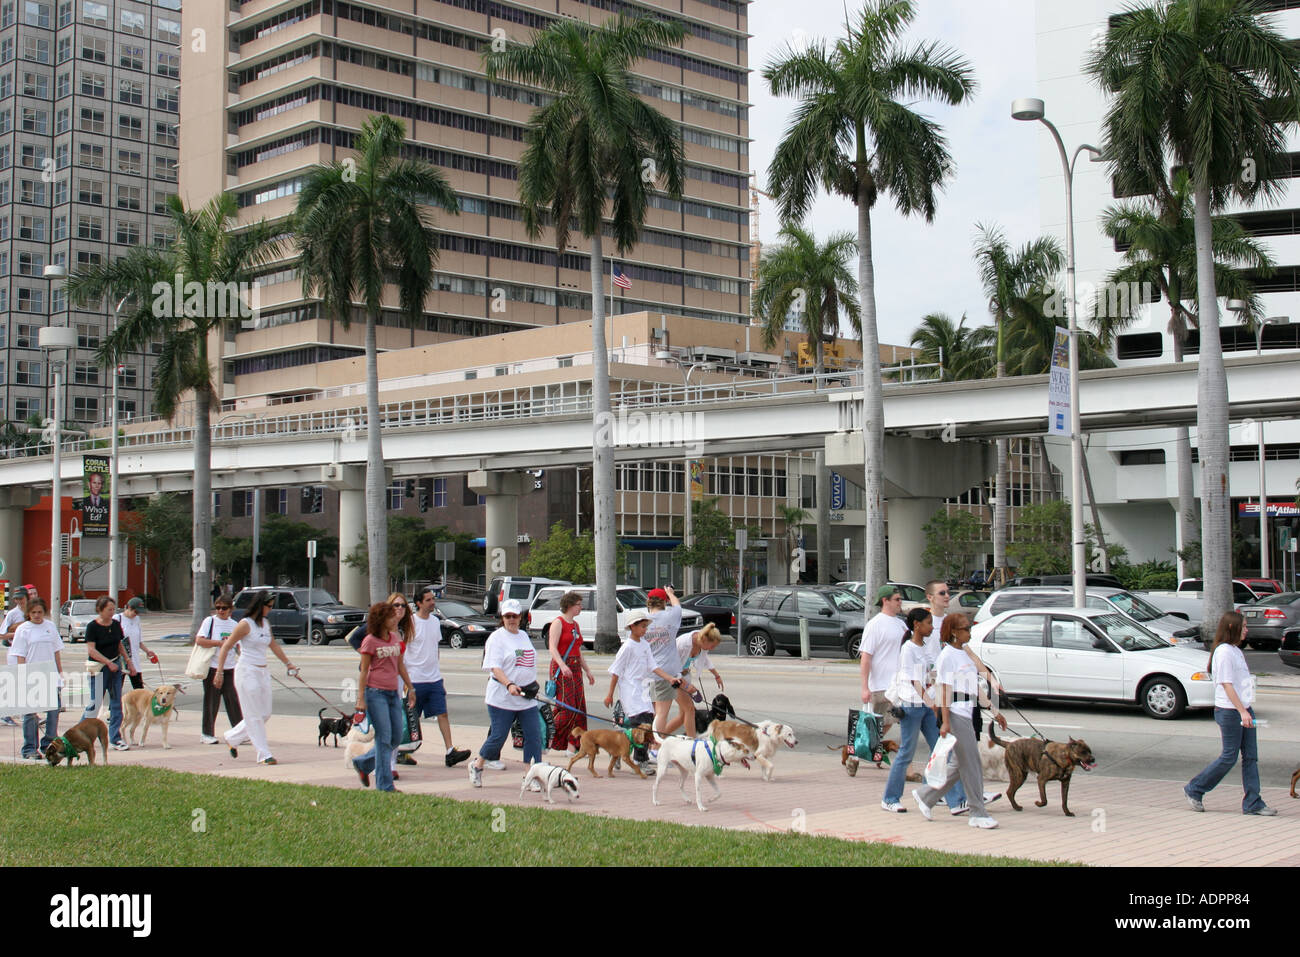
(893, 807)
(495, 765)
(985, 822)
(922, 806)
(991, 796)
(957, 809)
(121, 746)
(207, 739)
(475, 775)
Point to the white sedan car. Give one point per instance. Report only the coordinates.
(1092, 654)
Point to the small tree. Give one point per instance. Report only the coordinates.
(411, 551)
(232, 557)
(951, 542)
(714, 548)
(283, 545)
(163, 526)
(568, 557)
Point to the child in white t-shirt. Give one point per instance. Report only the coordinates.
(633, 669)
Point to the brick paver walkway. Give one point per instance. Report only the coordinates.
(1119, 821)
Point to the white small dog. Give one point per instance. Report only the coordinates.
(356, 744)
(547, 776)
(696, 756)
(770, 734)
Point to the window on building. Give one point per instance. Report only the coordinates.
(130, 161)
(128, 197)
(395, 496)
(85, 408)
(440, 493)
(90, 155)
(90, 191)
(241, 503)
(167, 98)
(128, 234)
(130, 127)
(130, 56)
(133, 23)
(94, 49)
(130, 91)
(92, 121)
(27, 372)
(95, 14)
(90, 227)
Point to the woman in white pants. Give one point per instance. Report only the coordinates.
(252, 680)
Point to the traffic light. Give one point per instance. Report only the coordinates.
(410, 488)
(424, 498)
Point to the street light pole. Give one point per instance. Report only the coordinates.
(112, 479)
(55, 340)
(1033, 109)
(688, 536)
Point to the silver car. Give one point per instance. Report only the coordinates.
(1170, 627)
(74, 617)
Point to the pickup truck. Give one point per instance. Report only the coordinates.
(1188, 599)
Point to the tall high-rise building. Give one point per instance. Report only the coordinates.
(89, 100)
(280, 87)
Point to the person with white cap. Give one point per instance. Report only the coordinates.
(633, 669)
(129, 619)
(511, 662)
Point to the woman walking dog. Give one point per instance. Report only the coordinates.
(958, 683)
(564, 640)
(1234, 713)
(252, 680)
(511, 662)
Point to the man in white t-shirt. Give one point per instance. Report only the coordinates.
(423, 665)
(936, 593)
(881, 643)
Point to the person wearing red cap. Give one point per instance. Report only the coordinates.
(665, 621)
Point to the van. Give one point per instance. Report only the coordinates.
(546, 608)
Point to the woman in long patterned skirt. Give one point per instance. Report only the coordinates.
(564, 640)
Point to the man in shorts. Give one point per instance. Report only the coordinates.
(665, 621)
(426, 674)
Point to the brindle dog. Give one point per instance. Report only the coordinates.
(1050, 760)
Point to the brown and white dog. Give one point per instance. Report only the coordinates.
(770, 735)
(357, 743)
(695, 756)
(145, 705)
(82, 737)
(737, 731)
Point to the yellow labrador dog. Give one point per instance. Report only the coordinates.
(152, 707)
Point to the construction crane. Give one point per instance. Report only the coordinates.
(755, 244)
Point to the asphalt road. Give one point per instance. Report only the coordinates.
(814, 697)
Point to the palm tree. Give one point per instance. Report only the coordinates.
(959, 352)
(1014, 281)
(209, 251)
(1210, 83)
(813, 281)
(361, 224)
(856, 135)
(1160, 236)
(596, 144)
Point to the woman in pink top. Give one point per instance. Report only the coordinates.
(381, 664)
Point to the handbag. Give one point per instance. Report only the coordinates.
(868, 744)
(200, 658)
(551, 687)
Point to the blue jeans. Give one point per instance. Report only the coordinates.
(501, 720)
(385, 711)
(30, 745)
(1236, 739)
(916, 718)
(112, 680)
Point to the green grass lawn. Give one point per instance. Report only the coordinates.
(60, 818)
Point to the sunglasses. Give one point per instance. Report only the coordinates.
(399, 604)
(942, 594)
(510, 616)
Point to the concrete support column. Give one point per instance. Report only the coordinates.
(13, 502)
(354, 583)
(502, 490)
(906, 540)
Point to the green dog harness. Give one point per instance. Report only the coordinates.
(714, 755)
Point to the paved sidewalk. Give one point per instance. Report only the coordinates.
(1120, 821)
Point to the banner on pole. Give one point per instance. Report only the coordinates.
(697, 480)
(1058, 386)
(95, 502)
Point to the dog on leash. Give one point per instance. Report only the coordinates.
(851, 760)
(618, 743)
(770, 735)
(339, 727)
(151, 707)
(1294, 778)
(81, 737)
(696, 756)
(720, 709)
(1050, 760)
(548, 776)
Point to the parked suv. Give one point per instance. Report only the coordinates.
(330, 619)
(523, 588)
(1172, 628)
(770, 618)
(546, 608)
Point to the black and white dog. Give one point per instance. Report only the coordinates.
(548, 776)
(339, 727)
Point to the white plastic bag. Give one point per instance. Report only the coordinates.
(936, 769)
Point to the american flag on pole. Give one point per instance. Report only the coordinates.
(621, 280)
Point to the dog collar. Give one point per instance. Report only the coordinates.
(69, 751)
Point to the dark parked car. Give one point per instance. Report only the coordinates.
(1269, 617)
(1290, 650)
(718, 607)
(1093, 580)
(330, 618)
(771, 617)
(462, 625)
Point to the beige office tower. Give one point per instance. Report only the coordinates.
(272, 88)
(88, 130)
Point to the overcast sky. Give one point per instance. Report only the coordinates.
(923, 268)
